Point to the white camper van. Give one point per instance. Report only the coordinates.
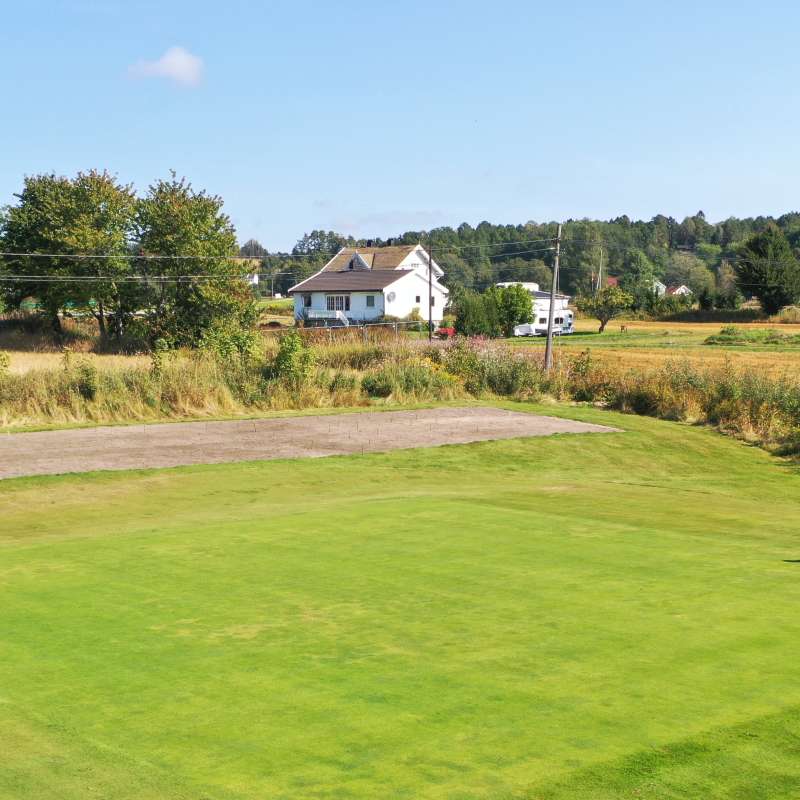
(563, 318)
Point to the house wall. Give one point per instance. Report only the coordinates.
(358, 304)
(406, 291)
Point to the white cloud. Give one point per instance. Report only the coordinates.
(177, 64)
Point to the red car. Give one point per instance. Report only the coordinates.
(445, 333)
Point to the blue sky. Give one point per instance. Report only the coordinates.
(373, 118)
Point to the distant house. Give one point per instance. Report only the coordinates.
(612, 281)
(563, 318)
(659, 289)
(360, 284)
(680, 291)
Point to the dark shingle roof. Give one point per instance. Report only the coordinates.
(376, 257)
(364, 280)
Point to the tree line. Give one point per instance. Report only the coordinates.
(153, 267)
(162, 265)
(721, 263)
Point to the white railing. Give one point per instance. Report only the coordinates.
(337, 315)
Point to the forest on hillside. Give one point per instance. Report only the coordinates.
(695, 252)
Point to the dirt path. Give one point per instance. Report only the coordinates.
(177, 444)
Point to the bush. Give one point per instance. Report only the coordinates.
(295, 360)
(501, 371)
(343, 382)
(788, 315)
(411, 380)
(378, 383)
(86, 379)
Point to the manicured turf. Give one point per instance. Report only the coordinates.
(608, 616)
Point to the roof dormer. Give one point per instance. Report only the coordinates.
(357, 262)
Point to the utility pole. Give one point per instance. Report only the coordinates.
(430, 294)
(548, 352)
(600, 273)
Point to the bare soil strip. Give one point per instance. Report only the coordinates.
(180, 444)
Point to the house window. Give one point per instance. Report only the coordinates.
(543, 320)
(338, 302)
(307, 300)
(418, 299)
(370, 301)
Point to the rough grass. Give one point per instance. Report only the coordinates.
(734, 335)
(573, 617)
(749, 403)
(647, 344)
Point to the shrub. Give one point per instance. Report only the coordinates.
(86, 379)
(230, 341)
(788, 315)
(294, 361)
(343, 382)
(378, 383)
(158, 356)
(461, 358)
(499, 370)
(413, 380)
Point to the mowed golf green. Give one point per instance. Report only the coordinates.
(594, 616)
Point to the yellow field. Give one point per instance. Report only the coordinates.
(645, 344)
(22, 362)
(642, 344)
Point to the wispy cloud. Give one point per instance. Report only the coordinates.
(177, 65)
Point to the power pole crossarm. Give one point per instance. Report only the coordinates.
(548, 352)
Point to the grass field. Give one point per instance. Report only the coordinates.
(646, 344)
(576, 617)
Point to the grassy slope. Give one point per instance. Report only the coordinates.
(604, 617)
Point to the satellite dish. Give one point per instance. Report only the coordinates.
(390, 297)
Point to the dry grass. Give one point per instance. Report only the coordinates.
(646, 344)
(777, 363)
(752, 391)
(24, 362)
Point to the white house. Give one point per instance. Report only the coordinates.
(681, 291)
(563, 318)
(659, 288)
(360, 284)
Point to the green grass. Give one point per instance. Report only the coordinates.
(670, 337)
(593, 617)
(733, 335)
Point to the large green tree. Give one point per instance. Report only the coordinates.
(195, 286)
(607, 304)
(767, 268)
(36, 223)
(81, 228)
(514, 307)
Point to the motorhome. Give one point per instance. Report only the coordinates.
(563, 318)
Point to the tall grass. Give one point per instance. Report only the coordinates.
(790, 315)
(741, 401)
